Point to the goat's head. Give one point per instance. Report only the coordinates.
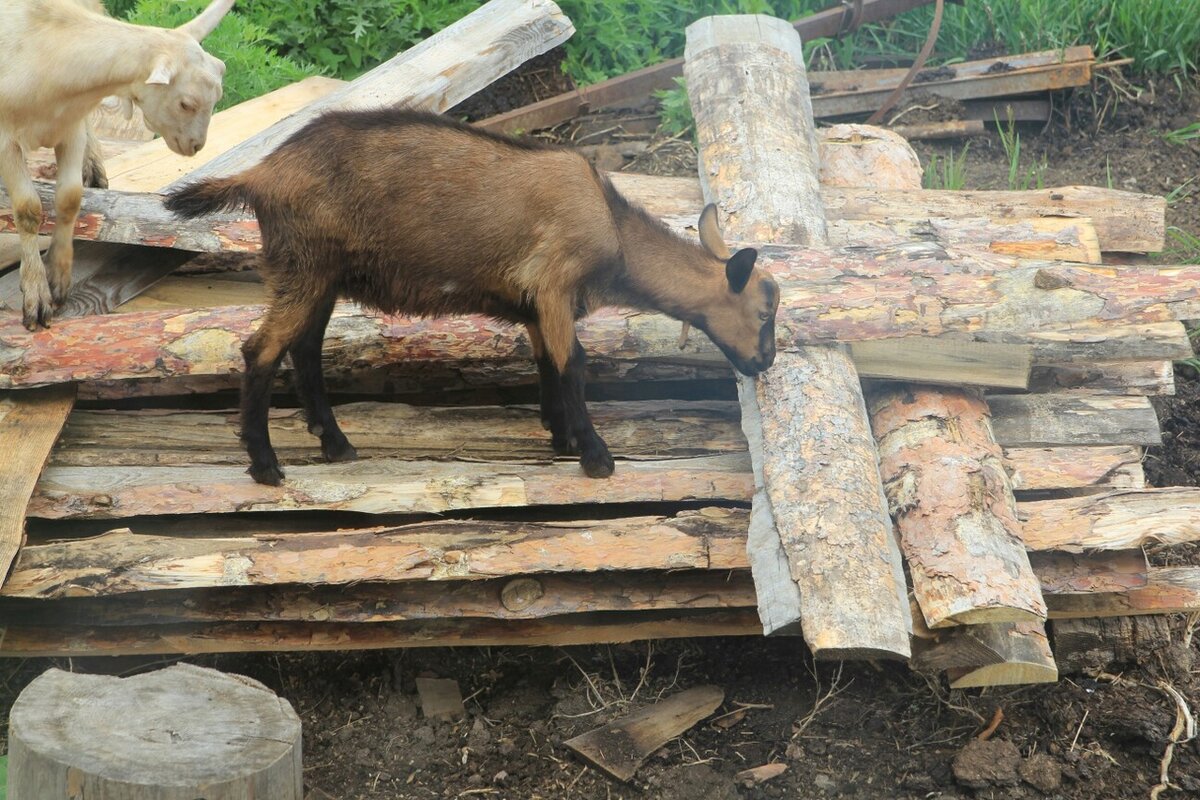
(178, 96)
(741, 319)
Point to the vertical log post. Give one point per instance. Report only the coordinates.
(821, 543)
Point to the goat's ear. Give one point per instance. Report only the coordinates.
(738, 268)
(710, 233)
(162, 72)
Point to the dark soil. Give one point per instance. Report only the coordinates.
(859, 730)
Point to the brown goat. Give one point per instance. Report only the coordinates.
(410, 212)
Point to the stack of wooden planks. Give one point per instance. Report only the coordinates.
(142, 534)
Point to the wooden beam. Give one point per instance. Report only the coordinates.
(1054, 238)
(1040, 420)
(1091, 573)
(952, 500)
(1106, 377)
(1078, 468)
(1117, 520)
(30, 422)
(831, 536)
(435, 74)
(1167, 590)
(379, 486)
(30, 642)
(1088, 645)
(1124, 221)
(1000, 654)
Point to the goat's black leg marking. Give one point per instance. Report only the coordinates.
(285, 321)
(310, 387)
(571, 425)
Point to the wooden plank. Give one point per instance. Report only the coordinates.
(1035, 420)
(621, 746)
(435, 74)
(1082, 468)
(122, 562)
(1090, 645)
(1168, 590)
(545, 595)
(30, 422)
(1106, 377)
(613, 628)
(1116, 520)
(1091, 573)
(953, 505)
(999, 83)
(832, 530)
(1055, 238)
(152, 166)
(825, 298)
(636, 87)
(377, 486)
(1124, 221)
(1000, 654)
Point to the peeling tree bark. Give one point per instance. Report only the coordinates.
(819, 472)
(953, 504)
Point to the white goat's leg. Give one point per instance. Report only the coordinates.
(67, 196)
(27, 209)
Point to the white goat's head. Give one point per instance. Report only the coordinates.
(177, 98)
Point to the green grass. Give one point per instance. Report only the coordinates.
(1020, 178)
(948, 171)
(1184, 134)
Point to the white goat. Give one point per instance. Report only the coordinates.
(61, 58)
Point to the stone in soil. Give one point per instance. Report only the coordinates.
(1042, 772)
(987, 763)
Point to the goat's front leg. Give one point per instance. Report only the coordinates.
(37, 305)
(562, 364)
(67, 196)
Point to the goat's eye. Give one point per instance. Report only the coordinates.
(764, 315)
(185, 106)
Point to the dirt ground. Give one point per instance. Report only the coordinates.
(858, 730)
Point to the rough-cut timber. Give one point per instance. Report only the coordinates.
(1090, 573)
(1087, 645)
(620, 747)
(1072, 468)
(1117, 520)
(953, 504)
(1106, 377)
(30, 422)
(1124, 221)
(174, 734)
(545, 595)
(435, 74)
(1035, 420)
(378, 486)
(999, 654)
(915, 290)
(758, 160)
(1168, 590)
(605, 628)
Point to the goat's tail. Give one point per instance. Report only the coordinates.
(208, 196)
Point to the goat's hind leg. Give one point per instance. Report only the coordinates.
(37, 304)
(68, 194)
(285, 322)
(310, 387)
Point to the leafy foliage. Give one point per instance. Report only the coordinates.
(948, 171)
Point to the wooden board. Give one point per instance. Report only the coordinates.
(1090, 573)
(1106, 377)
(1000, 654)
(435, 74)
(1168, 590)
(1123, 221)
(824, 298)
(30, 422)
(379, 486)
(30, 642)
(1116, 520)
(1035, 420)
(1075, 468)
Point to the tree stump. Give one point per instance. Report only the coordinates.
(181, 733)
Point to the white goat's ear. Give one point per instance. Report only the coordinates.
(710, 233)
(162, 72)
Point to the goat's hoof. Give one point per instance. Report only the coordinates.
(339, 451)
(597, 464)
(37, 309)
(565, 446)
(269, 475)
(58, 292)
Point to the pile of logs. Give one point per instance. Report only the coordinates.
(983, 478)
